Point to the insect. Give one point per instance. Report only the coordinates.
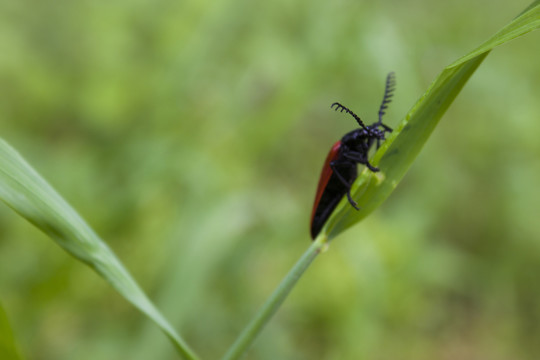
(340, 168)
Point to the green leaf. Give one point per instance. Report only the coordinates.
(403, 145)
(26, 192)
(274, 301)
(8, 350)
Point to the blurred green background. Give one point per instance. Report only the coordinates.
(190, 134)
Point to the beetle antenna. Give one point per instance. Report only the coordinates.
(340, 108)
(388, 93)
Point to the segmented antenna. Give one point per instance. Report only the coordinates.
(340, 108)
(388, 93)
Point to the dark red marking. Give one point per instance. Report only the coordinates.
(326, 173)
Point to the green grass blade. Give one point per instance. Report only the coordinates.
(527, 21)
(274, 301)
(26, 192)
(8, 350)
(403, 145)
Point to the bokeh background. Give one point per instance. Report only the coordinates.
(190, 135)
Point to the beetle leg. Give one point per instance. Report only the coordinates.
(360, 158)
(334, 165)
(351, 201)
(371, 167)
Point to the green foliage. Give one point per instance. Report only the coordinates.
(8, 350)
(128, 107)
(26, 192)
(394, 158)
(404, 144)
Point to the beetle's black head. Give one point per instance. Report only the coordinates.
(361, 140)
(372, 132)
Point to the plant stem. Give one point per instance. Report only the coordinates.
(272, 304)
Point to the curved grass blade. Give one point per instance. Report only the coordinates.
(8, 349)
(274, 301)
(26, 192)
(403, 145)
